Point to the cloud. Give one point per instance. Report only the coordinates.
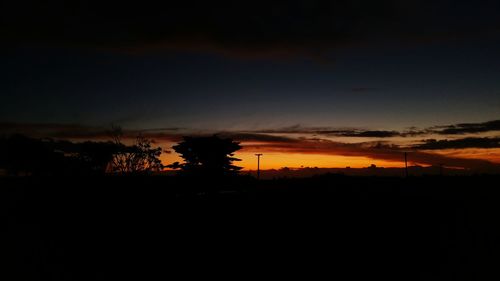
(241, 28)
(83, 132)
(55, 130)
(457, 129)
(374, 150)
(173, 134)
(467, 128)
(280, 134)
(459, 143)
(325, 131)
(361, 133)
(162, 129)
(248, 137)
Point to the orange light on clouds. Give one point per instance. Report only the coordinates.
(277, 160)
(273, 159)
(490, 154)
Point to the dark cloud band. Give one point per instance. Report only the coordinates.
(243, 28)
(459, 143)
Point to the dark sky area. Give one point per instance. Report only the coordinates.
(250, 65)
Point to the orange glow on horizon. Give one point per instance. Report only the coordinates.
(489, 154)
(277, 160)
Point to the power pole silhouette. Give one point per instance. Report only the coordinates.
(406, 164)
(258, 164)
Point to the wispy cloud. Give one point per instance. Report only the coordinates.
(83, 131)
(459, 143)
(467, 128)
(374, 150)
(79, 131)
(266, 138)
(330, 131)
(457, 129)
(54, 130)
(361, 133)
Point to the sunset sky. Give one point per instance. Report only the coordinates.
(307, 83)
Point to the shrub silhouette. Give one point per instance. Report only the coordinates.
(208, 156)
(21, 155)
(96, 156)
(140, 158)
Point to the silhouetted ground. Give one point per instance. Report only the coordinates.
(111, 228)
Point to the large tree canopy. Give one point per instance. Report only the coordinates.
(209, 156)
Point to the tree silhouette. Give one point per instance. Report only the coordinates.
(139, 158)
(208, 156)
(24, 155)
(96, 156)
(21, 155)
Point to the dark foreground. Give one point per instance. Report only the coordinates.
(112, 228)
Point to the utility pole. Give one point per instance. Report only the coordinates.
(406, 164)
(258, 164)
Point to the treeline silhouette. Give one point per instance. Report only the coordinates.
(22, 155)
(204, 156)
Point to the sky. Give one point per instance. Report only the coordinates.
(307, 83)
